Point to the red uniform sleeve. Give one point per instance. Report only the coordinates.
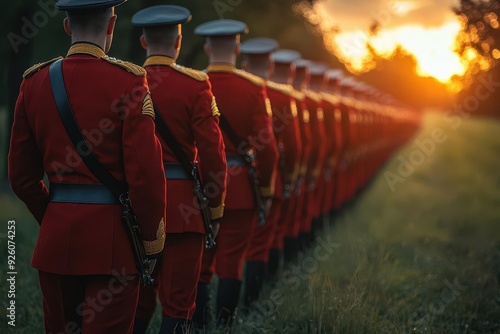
(291, 143)
(305, 135)
(265, 143)
(143, 164)
(330, 131)
(26, 163)
(210, 144)
(318, 149)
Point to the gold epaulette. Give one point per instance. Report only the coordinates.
(332, 98)
(37, 67)
(195, 74)
(312, 95)
(250, 77)
(298, 95)
(282, 88)
(130, 67)
(348, 101)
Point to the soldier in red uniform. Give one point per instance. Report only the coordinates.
(283, 100)
(184, 100)
(324, 184)
(85, 261)
(257, 52)
(291, 243)
(244, 105)
(332, 89)
(318, 152)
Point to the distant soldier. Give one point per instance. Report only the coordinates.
(318, 152)
(184, 101)
(324, 184)
(85, 261)
(333, 77)
(286, 99)
(257, 52)
(247, 128)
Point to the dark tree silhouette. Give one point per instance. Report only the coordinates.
(481, 37)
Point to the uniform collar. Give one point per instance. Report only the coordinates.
(86, 49)
(159, 60)
(221, 68)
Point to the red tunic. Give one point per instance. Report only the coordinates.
(184, 99)
(247, 111)
(112, 106)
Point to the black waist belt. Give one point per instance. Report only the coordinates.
(174, 171)
(235, 161)
(81, 193)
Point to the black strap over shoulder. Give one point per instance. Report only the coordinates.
(233, 136)
(173, 144)
(82, 146)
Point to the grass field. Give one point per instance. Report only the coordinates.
(421, 255)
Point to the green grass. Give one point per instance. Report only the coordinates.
(424, 258)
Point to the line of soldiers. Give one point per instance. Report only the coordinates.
(311, 137)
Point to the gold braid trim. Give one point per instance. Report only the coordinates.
(158, 60)
(156, 246)
(128, 66)
(312, 95)
(282, 88)
(87, 49)
(231, 69)
(215, 108)
(147, 106)
(221, 68)
(167, 61)
(267, 191)
(216, 213)
(37, 67)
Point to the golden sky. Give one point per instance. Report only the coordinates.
(427, 30)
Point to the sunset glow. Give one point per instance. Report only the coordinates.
(434, 48)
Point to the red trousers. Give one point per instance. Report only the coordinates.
(92, 304)
(176, 278)
(263, 236)
(228, 257)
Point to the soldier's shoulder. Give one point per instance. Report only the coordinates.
(192, 73)
(126, 65)
(316, 97)
(282, 88)
(37, 67)
(250, 77)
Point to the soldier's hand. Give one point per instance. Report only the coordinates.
(215, 223)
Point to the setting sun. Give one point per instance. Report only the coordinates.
(434, 48)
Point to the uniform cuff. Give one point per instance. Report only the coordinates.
(156, 246)
(216, 213)
(294, 175)
(267, 191)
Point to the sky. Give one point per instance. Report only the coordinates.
(354, 14)
(427, 30)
